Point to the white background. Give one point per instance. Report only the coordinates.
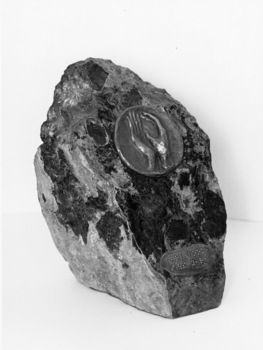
(208, 55)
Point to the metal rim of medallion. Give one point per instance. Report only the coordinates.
(173, 137)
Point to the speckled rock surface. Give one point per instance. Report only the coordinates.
(117, 229)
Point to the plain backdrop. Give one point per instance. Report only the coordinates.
(208, 55)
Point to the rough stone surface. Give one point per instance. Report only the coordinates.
(114, 225)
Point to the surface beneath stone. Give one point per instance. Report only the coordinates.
(155, 242)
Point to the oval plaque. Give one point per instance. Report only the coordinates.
(188, 261)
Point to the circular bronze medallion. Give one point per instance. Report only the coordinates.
(148, 141)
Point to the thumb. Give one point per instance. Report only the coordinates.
(150, 138)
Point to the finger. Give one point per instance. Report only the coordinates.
(147, 120)
(134, 123)
(140, 127)
(152, 117)
(137, 124)
(134, 127)
(159, 125)
(150, 138)
(130, 123)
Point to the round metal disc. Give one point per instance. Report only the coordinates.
(148, 141)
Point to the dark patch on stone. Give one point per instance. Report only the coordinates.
(131, 98)
(215, 215)
(44, 198)
(177, 230)
(72, 209)
(93, 72)
(176, 110)
(148, 212)
(125, 265)
(156, 213)
(98, 133)
(109, 230)
(189, 153)
(107, 156)
(190, 142)
(184, 180)
(107, 153)
(106, 105)
(106, 114)
(196, 177)
(214, 230)
(97, 203)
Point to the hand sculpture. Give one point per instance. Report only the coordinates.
(139, 135)
(159, 143)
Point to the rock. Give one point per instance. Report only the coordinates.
(133, 206)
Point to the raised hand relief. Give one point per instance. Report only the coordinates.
(159, 143)
(140, 136)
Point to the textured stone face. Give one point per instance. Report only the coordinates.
(126, 184)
